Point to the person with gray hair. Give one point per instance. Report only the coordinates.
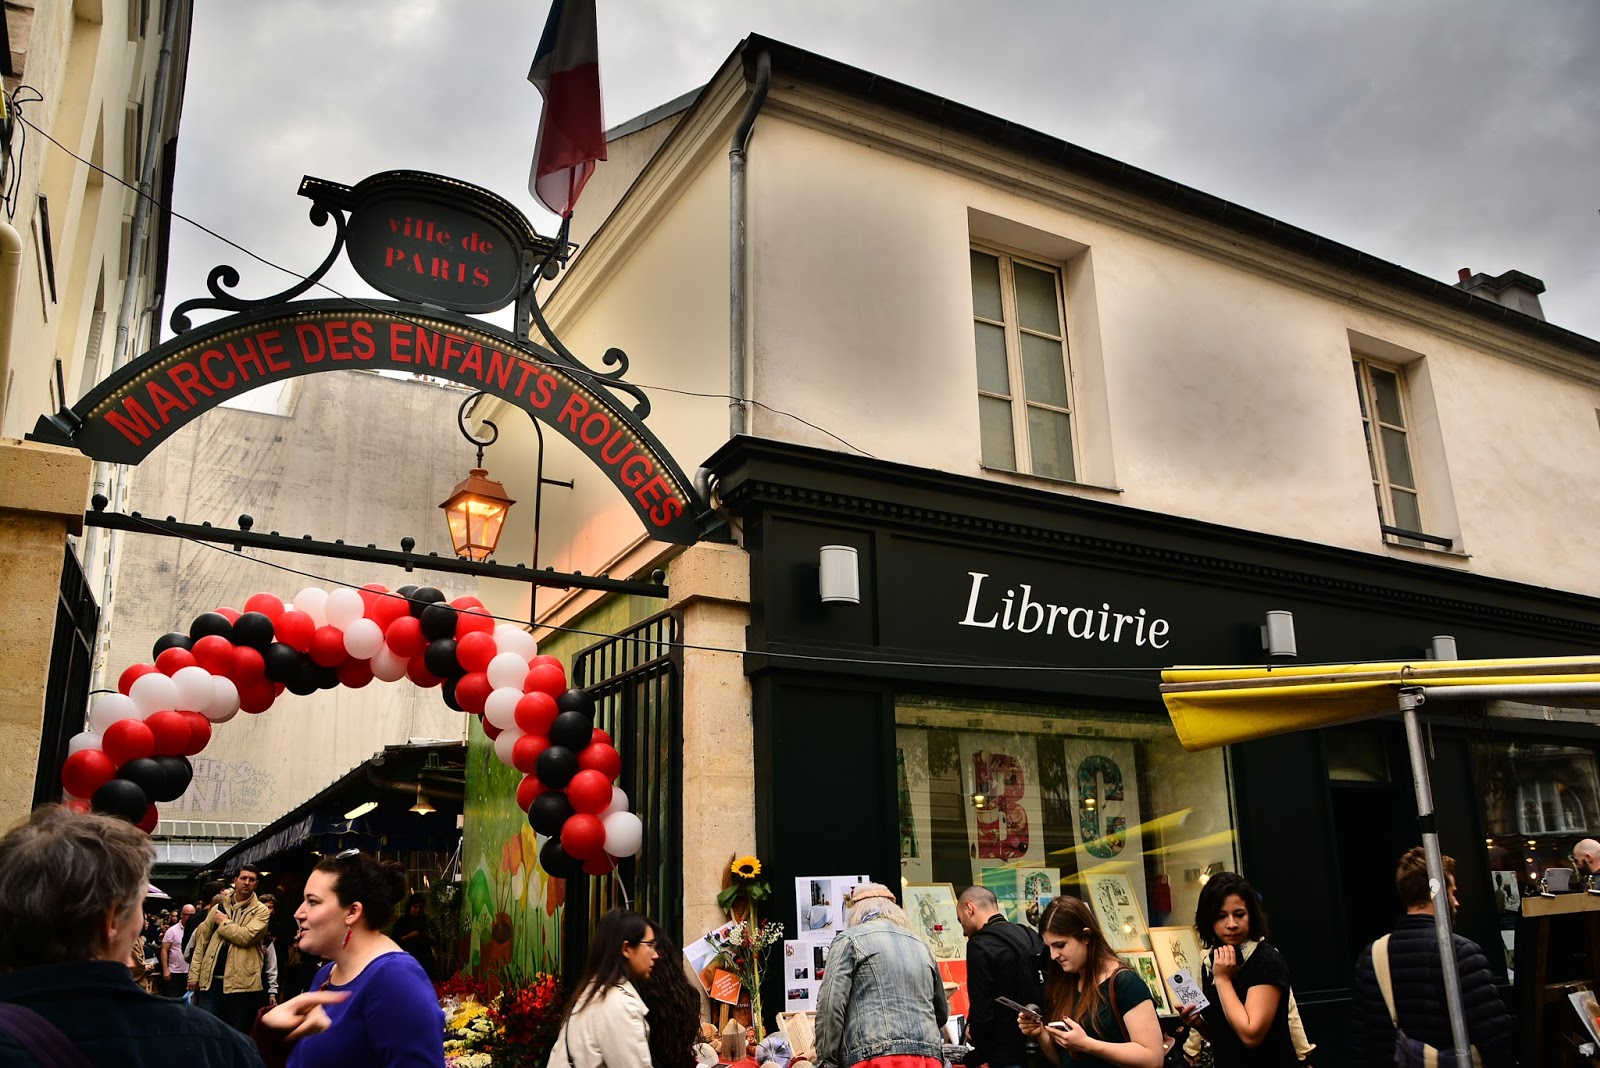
(72, 888)
(893, 1006)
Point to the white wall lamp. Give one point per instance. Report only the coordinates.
(1442, 647)
(840, 575)
(1277, 634)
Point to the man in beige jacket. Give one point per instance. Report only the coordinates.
(226, 971)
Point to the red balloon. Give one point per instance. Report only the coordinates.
(584, 836)
(354, 673)
(535, 712)
(132, 674)
(525, 754)
(215, 654)
(384, 608)
(151, 818)
(405, 638)
(173, 660)
(418, 672)
(199, 732)
(248, 666)
(589, 791)
(78, 804)
(475, 649)
(546, 658)
(125, 740)
(268, 604)
(546, 678)
(465, 601)
(489, 729)
(472, 690)
(294, 629)
(171, 732)
(230, 614)
(88, 769)
(604, 864)
(473, 619)
(327, 647)
(369, 596)
(600, 757)
(528, 789)
(257, 695)
(599, 737)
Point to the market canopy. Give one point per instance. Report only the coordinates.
(1215, 706)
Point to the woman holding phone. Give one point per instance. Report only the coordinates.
(1247, 983)
(1097, 1011)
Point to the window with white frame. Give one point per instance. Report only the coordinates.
(1024, 385)
(1385, 420)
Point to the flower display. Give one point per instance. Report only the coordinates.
(500, 1022)
(744, 945)
(746, 867)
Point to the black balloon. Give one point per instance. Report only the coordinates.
(326, 678)
(422, 597)
(438, 621)
(440, 659)
(448, 690)
(122, 798)
(283, 662)
(576, 701)
(571, 730)
(148, 775)
(556, 862)
(253, 629)
(556, 766)
(208, 623)
(176, 772)
(549, 812)
(305, 680)
(170, 641)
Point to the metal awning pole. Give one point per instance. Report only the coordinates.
(1410, 699)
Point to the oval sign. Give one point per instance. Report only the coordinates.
(420, 250)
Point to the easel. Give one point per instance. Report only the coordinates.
(1537, 913)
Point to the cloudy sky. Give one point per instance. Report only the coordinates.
(1437, 134)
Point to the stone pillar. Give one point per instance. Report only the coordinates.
(710, 585)
(43, 490)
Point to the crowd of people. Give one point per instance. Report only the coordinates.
(79, 960)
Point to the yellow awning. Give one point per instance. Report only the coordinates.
(1220, 706)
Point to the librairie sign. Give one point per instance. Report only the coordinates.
(445, 257)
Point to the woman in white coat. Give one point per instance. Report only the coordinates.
(605, 1023)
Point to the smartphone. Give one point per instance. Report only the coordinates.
(1060, 1025)
(1018, 1007)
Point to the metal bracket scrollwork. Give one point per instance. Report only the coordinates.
(225, 276)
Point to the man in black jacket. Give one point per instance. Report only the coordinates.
(1417, 979)
(1003, 960)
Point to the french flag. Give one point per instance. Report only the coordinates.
(566, 71)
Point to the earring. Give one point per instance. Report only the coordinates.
(346, 941)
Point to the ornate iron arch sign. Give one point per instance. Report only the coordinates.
(446, 248)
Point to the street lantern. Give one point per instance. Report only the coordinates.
(478, 505)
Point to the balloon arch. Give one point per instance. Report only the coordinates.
(137, 748)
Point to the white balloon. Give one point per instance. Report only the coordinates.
(313, 601)
(224, 703)
(508, 669)
(194, 688)
(79, 742)
(619, 802)
(624, 834)
(501, 707)
(153, 693)
(505, 743)
(110, 707)
(387, 666)
(362, 638)
(344, 606)
(510, 638)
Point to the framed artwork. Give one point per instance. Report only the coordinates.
(1176, 948)
(932, 908)
(1144, 965)
(1110, 893)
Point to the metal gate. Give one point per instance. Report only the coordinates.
(636, 679)
(66, 695)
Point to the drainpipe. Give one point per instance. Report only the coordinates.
(10, 272)
(738, 412)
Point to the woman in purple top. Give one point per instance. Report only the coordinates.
(372, 1004)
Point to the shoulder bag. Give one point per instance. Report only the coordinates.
(1410, 1052)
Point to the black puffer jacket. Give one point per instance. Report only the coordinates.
(1418, 980)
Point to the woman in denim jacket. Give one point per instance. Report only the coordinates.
(882, 1000)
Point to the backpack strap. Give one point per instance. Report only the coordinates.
(42, 1039)
(1380, 965)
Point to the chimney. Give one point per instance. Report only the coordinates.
(1513, 289)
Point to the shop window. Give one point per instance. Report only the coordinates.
(1034, 802)
(1538, 801)
(1025, 414)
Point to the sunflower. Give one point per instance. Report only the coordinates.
(746, 867)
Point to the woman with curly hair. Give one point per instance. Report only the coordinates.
(674, 1006)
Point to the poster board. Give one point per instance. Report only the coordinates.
(819, 904)
(1110, 893)
(932, 910)
(1176, 949)
(803, 964)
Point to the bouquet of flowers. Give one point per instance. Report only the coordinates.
(529, 1014)
(469, 1032)
(515, 1027)
(744, 945)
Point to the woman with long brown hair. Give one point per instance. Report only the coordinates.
(1097, 1011)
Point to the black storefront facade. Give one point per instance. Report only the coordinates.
(991, 612)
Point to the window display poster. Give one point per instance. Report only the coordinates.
(819, 904)
(1037, 887)
(1109, 892)
(804, 964)
(1004, 821)
(1001, 880)
(1105, 788)
(911, 770)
